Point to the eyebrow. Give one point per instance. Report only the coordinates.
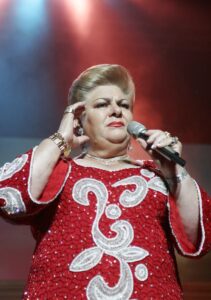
(109, 99)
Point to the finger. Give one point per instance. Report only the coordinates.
(76, 109)
(161, 141)
(78, 140)
(169, 141)
(78, 105)
(153, 134)
(148, 143)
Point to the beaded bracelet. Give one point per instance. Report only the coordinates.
(178, 178)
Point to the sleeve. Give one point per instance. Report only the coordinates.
(16, 201)
(183, 244)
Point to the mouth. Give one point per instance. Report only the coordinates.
(116, 124)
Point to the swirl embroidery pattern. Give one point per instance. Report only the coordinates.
(14, 203)
(9, 169)
(119, 247)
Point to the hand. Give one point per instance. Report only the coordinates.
(69, 124)
(159, 139)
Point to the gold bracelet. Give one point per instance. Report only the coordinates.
(59, 140)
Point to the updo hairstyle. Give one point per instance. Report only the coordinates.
(104, 74)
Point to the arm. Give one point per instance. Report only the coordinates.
(184, 191)
(192, 236)
(187, 205)
(48, 153)
(35, 179)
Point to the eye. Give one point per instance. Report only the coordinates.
(102, 104)
(125, 105)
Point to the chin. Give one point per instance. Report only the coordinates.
(117, 138)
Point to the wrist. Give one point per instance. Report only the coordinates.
(61, 143)
(178, 178)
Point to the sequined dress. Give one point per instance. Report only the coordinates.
(101, 235)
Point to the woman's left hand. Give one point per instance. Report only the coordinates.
(159, 139)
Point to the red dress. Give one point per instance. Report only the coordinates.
(101, 235)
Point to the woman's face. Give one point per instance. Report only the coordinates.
(107, 113)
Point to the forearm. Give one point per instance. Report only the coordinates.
(186, 198)
(46, 156)
(49, 151)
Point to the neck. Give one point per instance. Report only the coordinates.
(113, 150)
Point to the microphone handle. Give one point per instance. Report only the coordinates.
(171, 155)
(167, 152)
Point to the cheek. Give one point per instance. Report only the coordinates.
(95, 117)
(129, 116)
(92, 122)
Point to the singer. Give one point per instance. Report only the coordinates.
(105, 225)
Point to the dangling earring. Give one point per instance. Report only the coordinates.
(80, 131)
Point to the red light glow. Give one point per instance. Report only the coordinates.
(3, 5)
(80, 11)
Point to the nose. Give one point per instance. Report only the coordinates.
(115, 109)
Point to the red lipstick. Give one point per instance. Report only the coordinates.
(116, 124)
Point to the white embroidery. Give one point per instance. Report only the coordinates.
(98, 289)
(14, 202)
(122, 239)
(158, 184)
(118, 246)
(113, 211)
(141, 272)
(133, 253)
(86, 260)
(82, 188)
(131, 199)
(9, 169)
(147, 173)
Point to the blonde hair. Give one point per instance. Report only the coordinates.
(104, 74)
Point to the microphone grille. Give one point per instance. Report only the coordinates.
(135, 128)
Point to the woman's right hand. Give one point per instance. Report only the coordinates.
(69, 124)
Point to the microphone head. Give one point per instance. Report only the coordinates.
(135, 128)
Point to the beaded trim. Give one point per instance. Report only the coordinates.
(201, 223)
(30, 178)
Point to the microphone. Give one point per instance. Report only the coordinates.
(137, 130)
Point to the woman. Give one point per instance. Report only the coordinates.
(105, 225)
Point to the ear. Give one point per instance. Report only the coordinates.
(82, 119)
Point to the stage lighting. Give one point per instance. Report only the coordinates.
(79, 13)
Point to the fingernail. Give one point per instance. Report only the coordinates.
(153, 147)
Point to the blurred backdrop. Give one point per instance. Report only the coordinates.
(45, 44)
